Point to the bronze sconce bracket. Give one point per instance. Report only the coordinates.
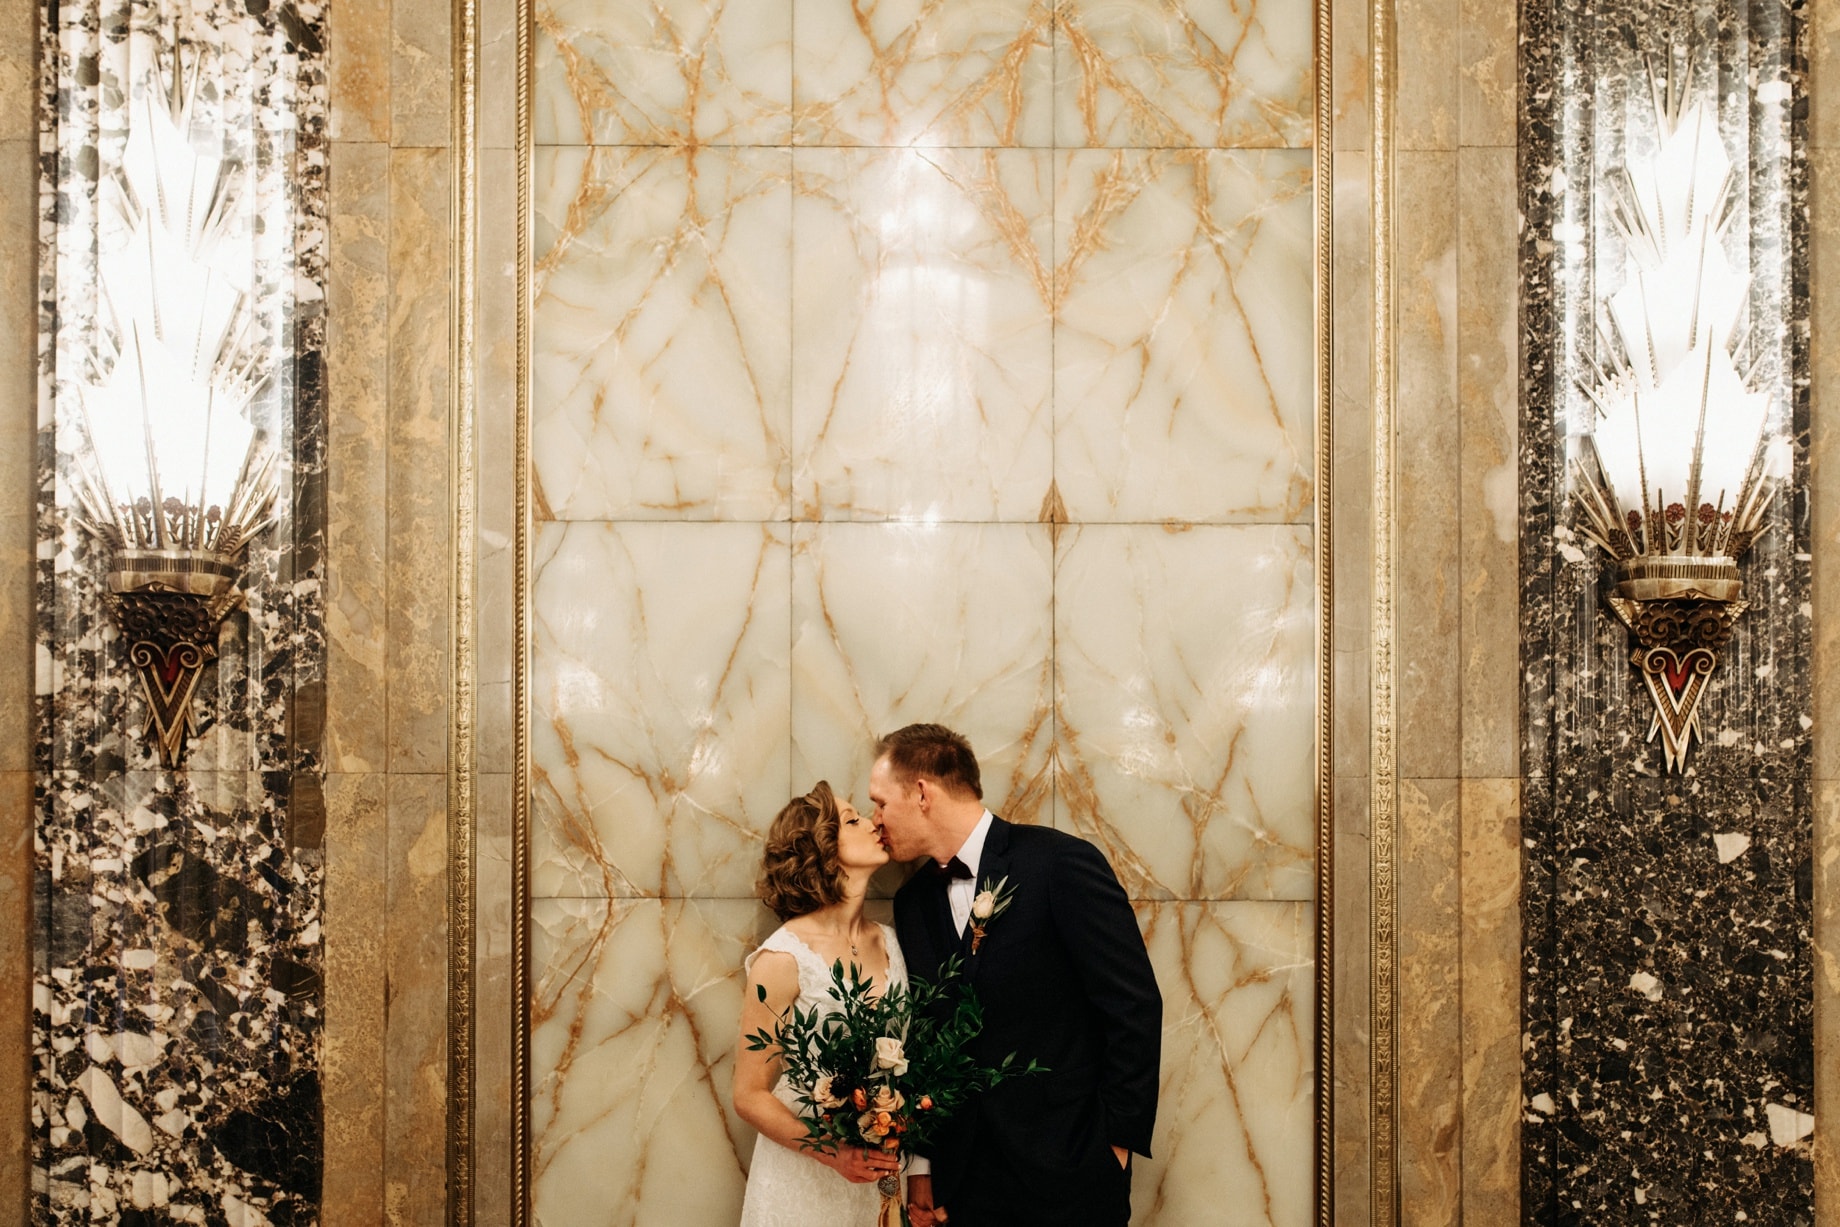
(1678, 643)
(168, 605)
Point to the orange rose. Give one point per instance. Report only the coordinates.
(926, 1102)
(859, 1098)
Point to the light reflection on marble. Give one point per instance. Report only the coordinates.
(632, 1059)
(1185, 700)
(659, 706)
(662, 353)
(912, 73)
(663, 73)
(946, 622)
(1148, 73)
(1183, 352)
(920, 307)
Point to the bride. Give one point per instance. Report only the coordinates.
(819, 858)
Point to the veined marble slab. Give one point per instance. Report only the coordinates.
(1236, 1110)
(1185, 700)
(1146, 73)
(661, 368)
(633, 1032)
(1183, 350)
(666, 73)
(660, 706)
(920, 314)
(633, 1058)
(922, 74)
(1007, 73)
(898, 623)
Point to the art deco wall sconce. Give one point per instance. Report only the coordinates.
(177, 480)
(1678, 465)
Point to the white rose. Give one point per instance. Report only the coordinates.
(984, 904)
(887, 1099)
(888, 1055)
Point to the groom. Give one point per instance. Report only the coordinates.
(1063, 977)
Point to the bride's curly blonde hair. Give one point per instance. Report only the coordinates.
(800, 872)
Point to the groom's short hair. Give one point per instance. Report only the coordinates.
(932, 750)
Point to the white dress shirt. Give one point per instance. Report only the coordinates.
(960, 892)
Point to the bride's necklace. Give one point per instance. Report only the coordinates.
(850, 941)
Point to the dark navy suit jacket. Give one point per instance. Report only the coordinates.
(1064, 979)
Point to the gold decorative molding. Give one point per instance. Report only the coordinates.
(1383, 768)
(520, 697)
(1322, 172)
(462, 854)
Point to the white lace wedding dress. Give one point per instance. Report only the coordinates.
(786, 1188)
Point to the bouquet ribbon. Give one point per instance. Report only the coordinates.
(892, 1213)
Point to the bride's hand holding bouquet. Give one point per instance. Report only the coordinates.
(885, 1071)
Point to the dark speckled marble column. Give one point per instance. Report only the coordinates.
(177, 993)
(1667, 1010)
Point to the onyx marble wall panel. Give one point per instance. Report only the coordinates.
(1668, 1068)
(950, 363)
(177, 996)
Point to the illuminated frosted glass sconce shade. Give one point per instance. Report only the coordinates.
(1678, 464)
(177, 480)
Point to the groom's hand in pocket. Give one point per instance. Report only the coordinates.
(920, 1207)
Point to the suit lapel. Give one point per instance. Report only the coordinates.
(939, 920)
(992, 867)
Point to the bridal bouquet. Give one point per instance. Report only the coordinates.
(886, 1070)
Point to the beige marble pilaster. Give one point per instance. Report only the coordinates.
(1353, 462)
(1824, 448)
(18, 436)
(1431, 975)
(19, 85)
(1824, 506)
(358, 72)
(1352, 513)
(1491, 1005)
(495, 610)
(355, 1057)
(1351, 73)
(1826, 991)
(1822, 35)
(1352, 1157)
(1488, 390)
(493, 995)
(18, 450)
(1427, 40)
(421, 72)
(1430, 569)
(1488, 104)
(415, 1025)
(417, 560)
(358, 383)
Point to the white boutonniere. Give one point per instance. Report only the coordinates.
(990, 902)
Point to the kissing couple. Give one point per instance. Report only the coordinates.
(1058, 966)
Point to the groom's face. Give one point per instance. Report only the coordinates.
(899, 817)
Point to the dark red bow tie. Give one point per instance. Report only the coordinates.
(953, 868)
